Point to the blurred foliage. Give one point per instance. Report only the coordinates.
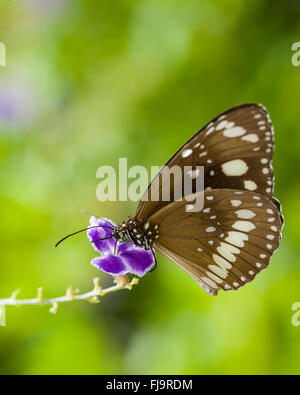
(88, 82)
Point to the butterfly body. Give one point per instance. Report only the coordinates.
(141, 234)
(227, 243)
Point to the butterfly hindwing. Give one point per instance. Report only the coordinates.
(236, 151)
(227, 243)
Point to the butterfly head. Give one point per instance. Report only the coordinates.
(141, 234)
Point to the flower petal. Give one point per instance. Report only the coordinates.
(105, 247)
(138, 260)
(124, 246)
(110, 264)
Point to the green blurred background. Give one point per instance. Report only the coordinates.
(87, 82)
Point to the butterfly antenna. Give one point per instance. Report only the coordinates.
(107, 222)
(105, 238)
(88, 213)
(155, 264)
(83, 230)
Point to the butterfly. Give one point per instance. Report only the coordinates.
(227, 243)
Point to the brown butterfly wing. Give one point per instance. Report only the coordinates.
(236, 149)
(224, 246)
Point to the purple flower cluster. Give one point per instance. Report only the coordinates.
(117, 257)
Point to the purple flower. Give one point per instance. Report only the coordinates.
(117, 257)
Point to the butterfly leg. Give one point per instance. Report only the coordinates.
(128, 235)
(155, 264)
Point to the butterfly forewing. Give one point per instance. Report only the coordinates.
(236, 150)
(226, 244)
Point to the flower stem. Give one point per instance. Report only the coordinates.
(121, 282)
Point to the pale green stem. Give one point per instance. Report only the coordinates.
(93, 296)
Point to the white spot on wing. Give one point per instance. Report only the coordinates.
(219, 271)
(234, 132)
(252, 138)
(189, 207)
(235, 203)
(210, 130)
(230, 125)
(209, 282)
(244, 226)
(245, 214)
(236, 167)
(221, 125)
(250, 185)
(187, 152)
(210, 229)
(222, 262)
(228, 251)
(214, 278)
(236, 238)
